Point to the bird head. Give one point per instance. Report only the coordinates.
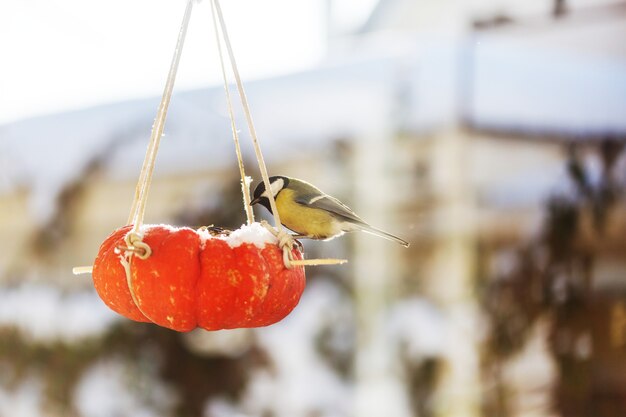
(261, 195)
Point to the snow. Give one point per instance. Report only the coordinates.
(110, 388)
(419, 327)
(230, 343)
(222, 407)
(301, 382)
(535, 89)
(25, 400)
(46, 315)
(253, 233)
(533, 372)
(383, 397)
(168, 227)
(51, 152)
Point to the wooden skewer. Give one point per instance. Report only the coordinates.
(313, 262)
(78, 270)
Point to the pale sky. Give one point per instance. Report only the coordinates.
(60, 55)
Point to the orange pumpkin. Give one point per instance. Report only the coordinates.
(194, 280)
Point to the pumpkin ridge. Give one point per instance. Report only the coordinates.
(195, 291)
(263, 306)
(261, 274)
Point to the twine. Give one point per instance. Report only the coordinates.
(143, 185)
(246, 110)
(287, 243)
(245, 189)
(135, 245)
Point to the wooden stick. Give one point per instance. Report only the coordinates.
(78, 270)
(314, 262)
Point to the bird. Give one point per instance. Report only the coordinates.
(311, 213)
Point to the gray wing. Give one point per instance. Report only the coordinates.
(330, 204)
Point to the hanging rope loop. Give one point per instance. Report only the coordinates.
(135, 245)
(245, 180)
(246, 109)
(138, 208)
(126, 262)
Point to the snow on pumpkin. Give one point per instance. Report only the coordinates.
(193, 279)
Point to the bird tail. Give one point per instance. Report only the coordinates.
(377, 232)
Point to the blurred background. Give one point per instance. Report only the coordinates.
(488, 133)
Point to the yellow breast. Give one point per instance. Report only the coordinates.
(304, 220)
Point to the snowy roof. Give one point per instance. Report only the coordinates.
(526, 84)
(305, 109)
(537, 75)
(293, 115)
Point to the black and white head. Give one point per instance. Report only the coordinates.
(261, 196)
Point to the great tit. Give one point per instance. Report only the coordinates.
(311, 213)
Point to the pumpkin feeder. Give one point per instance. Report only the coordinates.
(182, 278)
(193, 279)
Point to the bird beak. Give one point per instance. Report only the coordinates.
(255, 201)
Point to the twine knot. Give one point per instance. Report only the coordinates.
(136, 245)
(285, 241)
